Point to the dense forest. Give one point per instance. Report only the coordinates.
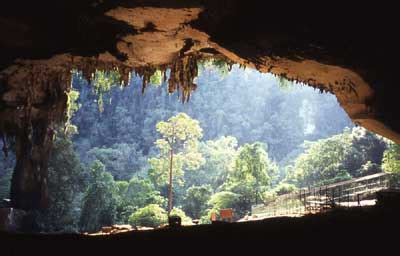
(128, 156)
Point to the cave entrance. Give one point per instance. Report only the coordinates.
(257, 144)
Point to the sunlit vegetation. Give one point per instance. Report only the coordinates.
(72, 107)
(67, 183)
(353, 153)
(177, 152)
(243, 139)
(151, 215)
(284, 83)
(391, 162)
(219, 64)
(157, 78)
(103, 82)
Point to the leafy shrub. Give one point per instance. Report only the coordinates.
(268, 197)
(223, 200)
(151, 215)
(284, 188)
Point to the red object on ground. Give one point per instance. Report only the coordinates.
(226, 214)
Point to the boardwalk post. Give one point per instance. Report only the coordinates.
(348, 199)
(300, 200)
(326, 196)
(320, 198)
(315, 201)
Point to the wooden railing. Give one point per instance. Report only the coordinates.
(354, 192)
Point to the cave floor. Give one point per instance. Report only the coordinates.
(365, 229)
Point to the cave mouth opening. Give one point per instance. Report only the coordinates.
(255, 143)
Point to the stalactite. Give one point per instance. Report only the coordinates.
(145, 73)
(183, 72)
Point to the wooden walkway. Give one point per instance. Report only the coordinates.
(354, 192)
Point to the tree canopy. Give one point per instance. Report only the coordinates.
(178, 151)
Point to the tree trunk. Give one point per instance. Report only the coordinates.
(170, 182)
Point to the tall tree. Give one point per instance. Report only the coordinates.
(252, 174)
(178, 149)
(100, 200)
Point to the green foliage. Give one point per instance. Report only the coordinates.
(252, 175)
(178, 151)
(66, 184)
(352, 153)
(219, 64)
(206, 218)
(196, 198)
(149, 216)
(100, 201)
(219, 156)
(122, 186)
(156, 78)
(260, 112)
(268, 196)
(72, 107)
(103, 82)
(136, 194)
(141, 192)
(391, 163)
(121, 160)
(284, 188)
(369, 168)
(284, 83)
(180, 134)
(224, 200)
(391, 159)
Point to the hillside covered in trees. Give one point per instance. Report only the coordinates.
(128, 156)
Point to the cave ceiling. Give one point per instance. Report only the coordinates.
(346, 50)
